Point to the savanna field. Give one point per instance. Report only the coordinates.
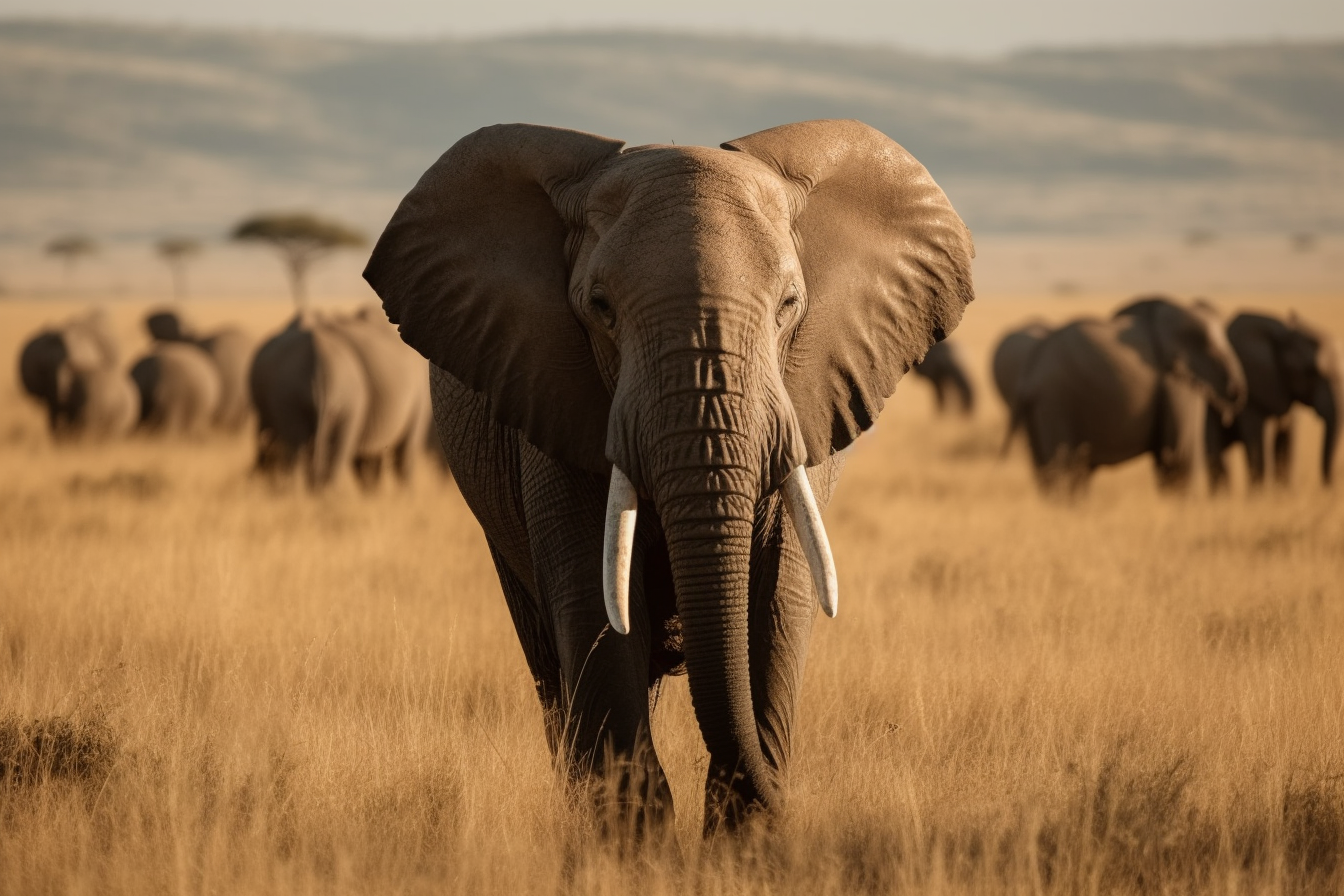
(209, 684)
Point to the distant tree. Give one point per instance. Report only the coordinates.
(301, 239)
(1302, 241)
(70, 248)
(176, 251)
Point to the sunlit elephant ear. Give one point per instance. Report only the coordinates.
(887, 270)
(474, 271)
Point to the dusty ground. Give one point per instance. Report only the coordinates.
(210, 686)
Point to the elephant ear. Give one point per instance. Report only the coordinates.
(474, 270)
(886, 264)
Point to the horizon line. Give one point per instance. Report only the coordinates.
(667, 31)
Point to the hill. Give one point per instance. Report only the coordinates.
(132, 130)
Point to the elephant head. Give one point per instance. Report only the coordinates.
(1191, 344)
(704, 323)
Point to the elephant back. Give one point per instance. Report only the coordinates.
(186, 393)
(1012, 355)
(231, 351)
(281, 385)
(396, 376)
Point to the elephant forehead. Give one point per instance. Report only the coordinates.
(689, 180)
(688, 220)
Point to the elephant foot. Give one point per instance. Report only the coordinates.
(735, 805)
(631, 803)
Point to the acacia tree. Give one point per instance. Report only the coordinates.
(301, 239)
(70, 248)
(176, 251)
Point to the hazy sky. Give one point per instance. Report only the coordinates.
(957, 26)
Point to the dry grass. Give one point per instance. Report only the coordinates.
(210, 686)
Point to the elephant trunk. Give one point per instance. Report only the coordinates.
(709, 544)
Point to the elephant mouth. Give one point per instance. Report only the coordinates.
(619, 544)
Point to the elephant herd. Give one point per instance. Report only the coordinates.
(330, 392)
(1170, 380)
(1158, 377)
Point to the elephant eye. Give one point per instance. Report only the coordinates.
(789, 310)
(601, 307)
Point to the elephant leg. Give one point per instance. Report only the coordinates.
(406, 455)
(403, 458)
(607, 746)
(1251, 429)
(333, 449)
(368, 470)
(538, 645)
(1283, 450)
(965, 394)
(1216, 440)
(1053, 452)
(484, 459)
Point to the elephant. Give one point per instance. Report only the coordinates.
(74, 370)
(946, 369)
(1285, 362)
(339, 392)
(647, 363)
(1100, 392)
(180, 389)
(230, 350)
(399, 413)
(1012, 354)
(311, 397)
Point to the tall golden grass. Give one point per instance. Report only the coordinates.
(208, 685)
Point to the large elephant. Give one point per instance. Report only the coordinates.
(337, 392)
(180, 389)
(945, 368)
(230, 349)
(1285, 362)
(642, 357)
(75, 370)
(1100, 392)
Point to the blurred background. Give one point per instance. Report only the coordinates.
(1194, 147)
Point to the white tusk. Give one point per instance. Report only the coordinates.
(618, 546)
(802, 506)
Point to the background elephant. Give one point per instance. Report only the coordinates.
(638, 353)
(1012, 354)
(398, 418)
(180, 389)
(1099, 392)
(230, 350)
(309, 389)
(1284, 362)
(945, 368)
(74, 370)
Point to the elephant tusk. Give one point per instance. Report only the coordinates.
(802, 506)
(618, 546)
